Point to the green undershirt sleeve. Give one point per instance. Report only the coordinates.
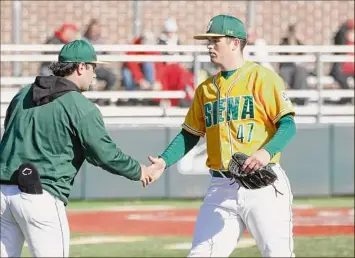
(286, 130)
(179, 147)
(185, 141)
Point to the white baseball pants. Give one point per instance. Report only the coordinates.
(40, 219)
(228, 210)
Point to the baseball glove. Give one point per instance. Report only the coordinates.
(260, 178)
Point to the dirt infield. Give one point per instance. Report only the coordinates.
(307, 222)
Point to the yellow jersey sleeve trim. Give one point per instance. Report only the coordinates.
(192, 130)
(282, 113)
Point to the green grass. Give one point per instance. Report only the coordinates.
(340, 246)
(344, 202)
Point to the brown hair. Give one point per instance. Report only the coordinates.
(63, 69)
(243, 43)
(66, 69)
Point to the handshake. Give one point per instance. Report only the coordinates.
(153, 172)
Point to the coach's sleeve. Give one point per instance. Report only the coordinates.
(12, 106)
(194, 121)
(274, 97)
(8, 113)
(100, 150)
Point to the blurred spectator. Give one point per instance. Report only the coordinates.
(261, 51)
(340, 35)
(176, 76)
(93, 35)
(344, 72)
(66, 33)
(169, 35)
(294, 74)
(142, 75)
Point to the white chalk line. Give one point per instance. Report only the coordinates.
(151, 208)
(124, 208)
(105, 240)
(320, 218)
(243, 243)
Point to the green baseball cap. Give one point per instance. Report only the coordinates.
(78, 51)
(224, 25)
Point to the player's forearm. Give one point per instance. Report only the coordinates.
(285, 132)
(179, 147)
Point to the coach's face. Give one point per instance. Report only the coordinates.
(87, 75)
(219, 49)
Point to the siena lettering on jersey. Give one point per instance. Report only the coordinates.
(229, 109)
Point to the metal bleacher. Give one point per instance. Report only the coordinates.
(315, 110)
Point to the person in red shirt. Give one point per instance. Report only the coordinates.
(175, 77)
(344, 72)
(141, 75)
(348, 67)
(66, 33)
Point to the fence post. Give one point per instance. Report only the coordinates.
(16, 33)
(196, 69)
(250, 14)
(319, 68)
(137, 18)
(164, 105)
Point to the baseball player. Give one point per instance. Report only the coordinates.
(243, 108)
(50, 129)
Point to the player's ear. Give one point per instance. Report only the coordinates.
(235, 43)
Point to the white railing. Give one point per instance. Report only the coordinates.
(172, 116)
(191, 51)
(197, 54)
(181, 48)
(9, 80)
(311, 95)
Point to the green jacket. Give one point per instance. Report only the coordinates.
(52, 125)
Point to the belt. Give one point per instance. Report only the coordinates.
(222, 174)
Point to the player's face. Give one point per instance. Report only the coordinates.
(220, 49)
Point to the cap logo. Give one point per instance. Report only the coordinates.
(26, 172)
(209, 25)
(229, 32)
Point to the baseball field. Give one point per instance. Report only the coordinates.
(323, 227)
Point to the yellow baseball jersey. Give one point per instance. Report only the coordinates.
(237, 114)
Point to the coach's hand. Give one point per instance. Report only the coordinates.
(146, 175)
(257, 160)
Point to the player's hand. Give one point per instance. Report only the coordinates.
(257, 160)
(146, 175)
(158, 166)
